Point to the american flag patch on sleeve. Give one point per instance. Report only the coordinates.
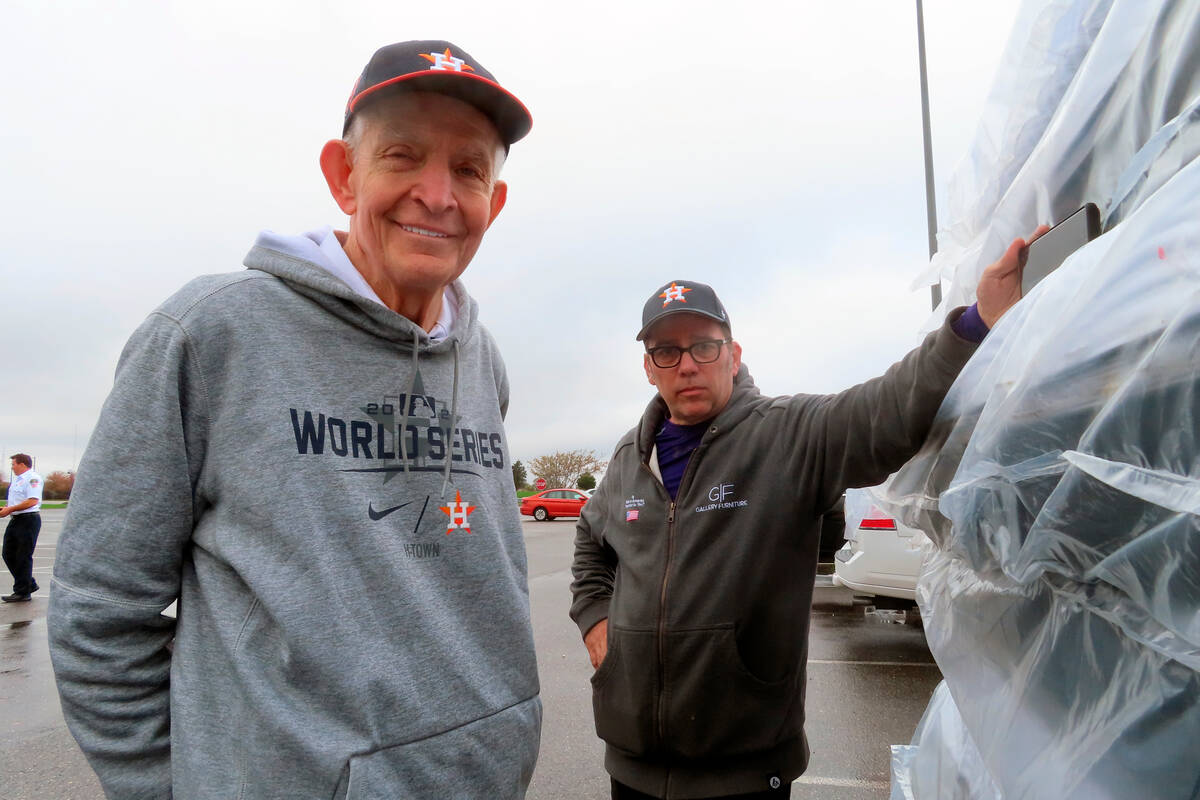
(631, 515)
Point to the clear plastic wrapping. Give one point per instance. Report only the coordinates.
(1061, 483)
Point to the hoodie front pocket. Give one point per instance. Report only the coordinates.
(623, 691)
(488, 759)
(714, 705)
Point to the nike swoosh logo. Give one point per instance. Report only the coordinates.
(373, 514)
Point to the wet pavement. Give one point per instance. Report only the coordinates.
(868, 683)
(38, 757)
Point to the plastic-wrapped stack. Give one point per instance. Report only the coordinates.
(1061, 485)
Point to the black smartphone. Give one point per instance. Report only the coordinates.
(1051, 249)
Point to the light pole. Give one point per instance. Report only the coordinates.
(935, 290)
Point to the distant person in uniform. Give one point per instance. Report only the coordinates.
(353, 600)
(696, 557)
(23, 510)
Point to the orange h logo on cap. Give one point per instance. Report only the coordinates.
(674, 292)
(446, 61)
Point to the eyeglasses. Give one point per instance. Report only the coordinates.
(704, 352)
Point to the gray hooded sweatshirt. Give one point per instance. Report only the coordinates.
(328, 495)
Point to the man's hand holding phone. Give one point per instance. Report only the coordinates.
(1000, 285)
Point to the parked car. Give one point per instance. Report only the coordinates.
(553, 503)
(881, 559)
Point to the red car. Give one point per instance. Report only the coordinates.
(553, 503)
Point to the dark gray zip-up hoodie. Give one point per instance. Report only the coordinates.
(707, 598)
(329, 496)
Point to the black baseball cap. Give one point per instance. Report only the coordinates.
(432, 65)
(679, 296)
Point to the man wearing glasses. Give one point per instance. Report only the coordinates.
(695, 559)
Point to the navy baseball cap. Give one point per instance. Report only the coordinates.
(679, 296)
(433, 65)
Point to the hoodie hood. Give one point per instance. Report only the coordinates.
(306, 263)
(739, 405)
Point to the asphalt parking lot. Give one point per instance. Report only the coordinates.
(868, 683)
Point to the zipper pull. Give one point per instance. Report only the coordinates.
(671, 513)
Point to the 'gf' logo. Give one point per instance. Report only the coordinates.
(718, 493)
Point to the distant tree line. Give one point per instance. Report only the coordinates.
(58, 485)
(568, 469)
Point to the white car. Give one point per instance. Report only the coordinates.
(881, 557)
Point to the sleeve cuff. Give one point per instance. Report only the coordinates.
(591, 615)
(970, 325)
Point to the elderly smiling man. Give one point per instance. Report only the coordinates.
(309, 455)
(695, 559)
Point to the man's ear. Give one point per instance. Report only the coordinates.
(736, 350)
(336, 165)
(646, 365)
(499, 198)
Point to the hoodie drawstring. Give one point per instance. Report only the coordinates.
(448, 433)
(453, 422)
(408, 403)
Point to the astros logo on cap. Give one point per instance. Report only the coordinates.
(674, 292)
(446, 61)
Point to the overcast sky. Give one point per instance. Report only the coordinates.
(772, 150)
